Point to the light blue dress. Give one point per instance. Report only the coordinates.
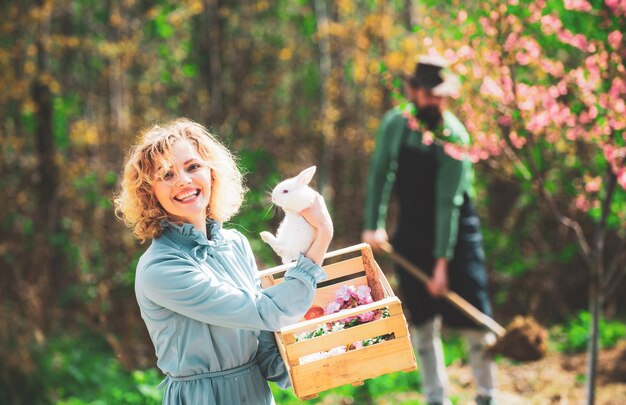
(210, 321)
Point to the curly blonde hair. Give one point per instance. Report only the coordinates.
(137, 205)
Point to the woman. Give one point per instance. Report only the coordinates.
(197, 284)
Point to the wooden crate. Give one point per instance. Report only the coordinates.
(353, 366)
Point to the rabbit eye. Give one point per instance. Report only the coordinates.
(285, 191)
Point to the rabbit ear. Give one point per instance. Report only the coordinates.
(305, 176)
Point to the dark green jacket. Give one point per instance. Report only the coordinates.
(453, 177)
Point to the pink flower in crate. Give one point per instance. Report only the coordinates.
(332, 308)
(344, 292)
(366, 317)
(348, 320)
(364, 295)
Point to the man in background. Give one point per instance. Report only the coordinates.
(437, 226)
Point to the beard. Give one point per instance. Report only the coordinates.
(431, 116)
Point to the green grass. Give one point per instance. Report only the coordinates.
(80, 370)
(573, 336)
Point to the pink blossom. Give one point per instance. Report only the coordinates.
(612, 4)
(522, 58)
(532, 47)
(454, 151)
(536, 8)
(577, 5)
(450, 55)
(466, 52)
(593, 185)
(364, 295)
(344, 292)
(572, 133)
(618, 87)
(550, 24)
(462, 16)
(367, 316)
(556, 69)
(477, 70)
(517, 140)
(615, 39)
(428, 138)
(333, 307)
(608, 151)
(582, 203)
(491, 88)
(505, 121)
(617, 125)
(493, 58)
(348, 319)
(538, 122)
(578, 40)
(511, 41)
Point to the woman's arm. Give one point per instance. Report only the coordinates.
(270, 362)
(178, 285)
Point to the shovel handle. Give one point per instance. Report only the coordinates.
(454, 298)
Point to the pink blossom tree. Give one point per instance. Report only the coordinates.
(544, 100)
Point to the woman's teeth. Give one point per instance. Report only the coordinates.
(187, 196)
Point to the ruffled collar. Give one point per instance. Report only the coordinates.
(189, 236)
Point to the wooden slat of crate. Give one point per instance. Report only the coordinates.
(344, 268)
(334, 271)
(394, 324)
(369, 262)
(353, 366)
(376, 278)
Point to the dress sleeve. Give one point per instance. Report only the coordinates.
(180, 285)
(380, 178)
(451, 182)
(270, 361)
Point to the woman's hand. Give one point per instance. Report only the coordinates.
(317, 215)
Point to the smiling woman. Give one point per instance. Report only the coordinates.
(183, 188)
(197, 284)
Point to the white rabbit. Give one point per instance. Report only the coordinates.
(295, 234)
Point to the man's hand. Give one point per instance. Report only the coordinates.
(438, 284)
(375, 238)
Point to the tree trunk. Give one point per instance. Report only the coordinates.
(214, 54)
(596, 295)
(325, 66)
(592, 346)
(46, 268)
